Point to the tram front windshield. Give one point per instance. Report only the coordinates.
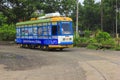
(66, 28)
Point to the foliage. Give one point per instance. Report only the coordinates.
(83, 40)
(65, 7)
(92, 46)
(80, 41)
(76, 39)
(91, 14)
(92, 40)
(16, 10)
(102, 40)
(102, 36)
(87, 33)
(7, 32)
(117, 48)
(105, 39)
(2, 19)
(109, 11)
(109, 42)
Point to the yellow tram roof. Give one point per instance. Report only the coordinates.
(50, 19)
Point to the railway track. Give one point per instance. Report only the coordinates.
(105, 68)
(102, 75)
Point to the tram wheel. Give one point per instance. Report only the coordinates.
(29, 46)
(44, 48)
(61, 49)
(22, 46)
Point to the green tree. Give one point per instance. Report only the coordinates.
(109, 19)
(15, 10)
(2, 19)
(7, 32)
(109, 15)
(65, 7)
(80, 17)
(91, 14)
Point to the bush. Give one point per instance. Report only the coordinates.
(76, 39)
(109, 42)
(87, 33)
(80, 41)
(7, 32)
(3, 19)
(92, 46)
(100, 40)
(83, 42)
(117, 48)
(105, 40)
(92, 41)
(102, 36)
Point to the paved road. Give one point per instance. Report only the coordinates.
(71, 64)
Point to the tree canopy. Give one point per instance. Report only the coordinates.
(23, 9)
(89, 12)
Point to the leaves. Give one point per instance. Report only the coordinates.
(7, 32)
(2, 19)
(102, 36)
(89, 12)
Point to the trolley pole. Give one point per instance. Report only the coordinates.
(77, 18)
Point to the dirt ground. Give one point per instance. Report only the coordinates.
(70, 64)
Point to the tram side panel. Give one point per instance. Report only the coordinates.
(35, 35)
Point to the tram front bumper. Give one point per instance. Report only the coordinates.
(60, 46)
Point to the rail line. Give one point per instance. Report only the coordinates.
(103, 76)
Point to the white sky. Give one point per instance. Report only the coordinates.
(95, 0)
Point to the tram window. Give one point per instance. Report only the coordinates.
(59, 30)
(54, 30)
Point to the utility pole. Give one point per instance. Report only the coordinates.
(77, 18)
(116, 19)
(101, 7)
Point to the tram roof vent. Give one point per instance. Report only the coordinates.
(49, 15)
(52, 14)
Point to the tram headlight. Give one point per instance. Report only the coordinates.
(63, 39)
(70, 38)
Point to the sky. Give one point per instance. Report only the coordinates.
(95, 0)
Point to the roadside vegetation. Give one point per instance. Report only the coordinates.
(7, 31)
(98, 40)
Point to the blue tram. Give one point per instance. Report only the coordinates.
(51, 32)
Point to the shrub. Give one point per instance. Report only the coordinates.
(3, 19)
(80, 41)
(92, 46)
(105, 39)
(87, 33)
(102, 36)
(117, 48)
(76, 39)
(109, 42)
(92, 41)
(7, 32)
